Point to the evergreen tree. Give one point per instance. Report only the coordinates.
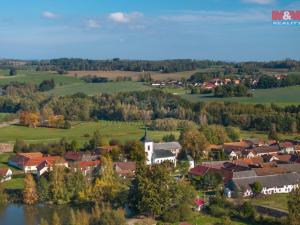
(294, 208)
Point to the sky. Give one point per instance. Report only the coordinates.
(231, 30)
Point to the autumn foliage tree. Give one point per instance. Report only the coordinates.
(30, 119)
(30, 196)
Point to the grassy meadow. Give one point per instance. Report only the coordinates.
(278, 201)
(122, 131)
(280, 96)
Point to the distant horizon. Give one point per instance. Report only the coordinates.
(162, 59)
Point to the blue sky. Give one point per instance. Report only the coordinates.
(232, 30)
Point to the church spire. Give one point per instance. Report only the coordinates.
(145, 138)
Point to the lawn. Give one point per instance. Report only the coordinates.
(208, 220)
(29, 76)
(17, 182)
(281, 96)
(96, 88)
(118, 130)
(278, 201)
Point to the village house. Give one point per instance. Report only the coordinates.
(272, 184)
(89, 168)
(266, 150)
(287, 147)
(157, 153)
(28, 162)
(47, 164)
(5, 174)
(234, 149)
(73, 157)
(125, 169)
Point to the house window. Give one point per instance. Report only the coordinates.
(148, 147)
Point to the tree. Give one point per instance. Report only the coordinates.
(169, 138)
(30, 196)
(43, 189)
(43, 222)
(134, 151)
(194, 143)
(154, 191)
(56, 219)
(247, 210)
(273, 135)
(3, 195)
(294, 208)
(57, 185)
(107, 185)
(256, 188)
(234, 133)
(12, 71)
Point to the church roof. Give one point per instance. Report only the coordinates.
(166, 146)
(163, 154)
(145, 138)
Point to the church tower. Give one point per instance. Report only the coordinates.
(148, 146)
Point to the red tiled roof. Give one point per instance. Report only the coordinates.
(3, 172)
(84, 164)
(31, 155)
(49, 159)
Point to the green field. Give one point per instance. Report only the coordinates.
(208, 220)
(118, 130)
(281, 96)
(278, 201)
(91, 89)
(24, 76)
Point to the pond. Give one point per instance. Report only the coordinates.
(18, 214)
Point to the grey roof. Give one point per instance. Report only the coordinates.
(166, 146)
(162, 154)
(278, 180)
(244, 174)
(291, 167)
(266, 149)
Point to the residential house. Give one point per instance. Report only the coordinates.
(73, 157)
(47, 164)
(28, 162)
(266, 150)
(202, 170)
(89, 168)
(254, 142)
(234, 149)
(5, 174)
(125, 169)
(272, 184)
(287, 147)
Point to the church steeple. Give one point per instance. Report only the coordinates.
(145, 138)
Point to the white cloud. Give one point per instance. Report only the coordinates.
(217, 17)
(260, 2)
(120, 17)
(91, 23)
(50, 15)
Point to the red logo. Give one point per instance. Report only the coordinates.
(286, 15)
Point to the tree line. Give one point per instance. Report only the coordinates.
(155, 104)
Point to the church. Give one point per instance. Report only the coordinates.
(157, 153)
